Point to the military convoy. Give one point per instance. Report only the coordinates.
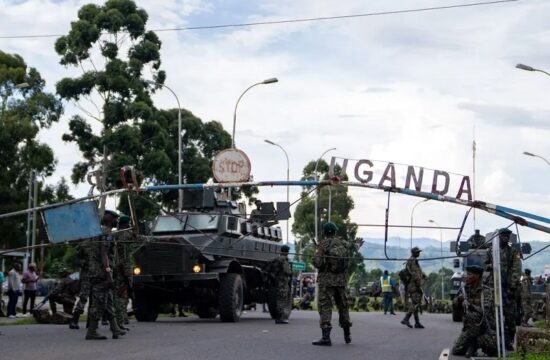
(210, 257)
(473, 252)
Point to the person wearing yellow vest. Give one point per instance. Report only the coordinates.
(387, 284)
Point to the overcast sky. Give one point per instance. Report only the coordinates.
(406, 88)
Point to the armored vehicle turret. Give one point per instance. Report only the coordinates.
(210, 256)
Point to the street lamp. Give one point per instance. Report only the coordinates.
(441, 241)
(266, 81)
(180, 190)
(530, 68)
(540, 157)
(412, 214)
(317, 195)
(287, 178)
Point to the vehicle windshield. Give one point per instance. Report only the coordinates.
(202, 222)
(168, 224)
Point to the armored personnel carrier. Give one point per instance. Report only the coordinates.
(209, 256)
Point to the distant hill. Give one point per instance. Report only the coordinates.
(373, 251)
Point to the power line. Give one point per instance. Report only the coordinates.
(279, 22)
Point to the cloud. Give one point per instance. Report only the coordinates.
(509, 116)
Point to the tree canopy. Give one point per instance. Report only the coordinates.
(121, 69)
(25, 109)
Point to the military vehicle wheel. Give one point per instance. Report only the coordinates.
(457, 313)
(207, 312)
(146, 310)
(231, 297)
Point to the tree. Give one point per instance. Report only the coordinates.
(112, 47)
(25, 109)
(341, 205)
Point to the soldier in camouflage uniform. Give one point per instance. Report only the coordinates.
(122, 270)
(280, 275)
(413, 289)
(82, 254)
(331, 258)
(362, 303)
(64, 293)
(478, 321)
(510, 274)
(101, 280)
(526, 298)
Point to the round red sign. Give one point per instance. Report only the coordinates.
(231, 165)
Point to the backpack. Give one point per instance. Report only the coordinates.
(405, 276)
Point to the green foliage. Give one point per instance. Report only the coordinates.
(134, 131)
(23, 113)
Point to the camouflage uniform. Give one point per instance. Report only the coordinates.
(64, 293)
(101, 297)
(280, 273)
(363, 303)
(478, 322)
(83, 254)
(526, 298)
(122, 278)
(332, 285)
(510, 272)
(413, 289)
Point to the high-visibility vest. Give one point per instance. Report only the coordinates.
(386, 284)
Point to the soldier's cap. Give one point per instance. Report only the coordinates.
(528, 271)
(285, 248)
(504, 231)
(112, 213)
(415, 249)
(475, 269)
(330, 226)
(124, 219)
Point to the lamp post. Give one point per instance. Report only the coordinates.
(540, 157)
(530, 68)
(287, 178)
(412, 214)
(441, 242)
(266, 81)
(317, 195)
(180, 149)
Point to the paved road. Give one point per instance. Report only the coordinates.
(375, 336)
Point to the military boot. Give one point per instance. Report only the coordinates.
(117, 331)
(406, 322)
(347, 334)
(471, 352)
(325, 339)
(417, 324)
(92, 333)
(73, 323)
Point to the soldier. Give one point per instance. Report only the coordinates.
(122, 270)
(510, 274)
(477, 331)
(281, 275)
(331, 258)
(413, 288)
(256, 214)
(101, 280)
(82, 254)
(526, 298)
(351, 298)
(64, 293)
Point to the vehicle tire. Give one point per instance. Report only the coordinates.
(457, 313)
(146, 310)
(272, 303)
(207, 312)
(231, 298)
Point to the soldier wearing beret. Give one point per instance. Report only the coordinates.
(413, 289)
(280, 276)
(478, 324)
(526, 298)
